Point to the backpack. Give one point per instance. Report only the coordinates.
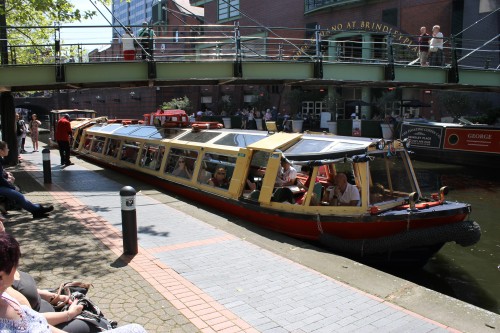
(20, 127)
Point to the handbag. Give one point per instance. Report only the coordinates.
(433, 49)
(67, 289)
(90, 313)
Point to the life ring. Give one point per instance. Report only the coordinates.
(206, 125)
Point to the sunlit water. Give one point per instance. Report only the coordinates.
(471, 274)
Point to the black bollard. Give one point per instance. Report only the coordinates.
(129, 220)
(47, 173)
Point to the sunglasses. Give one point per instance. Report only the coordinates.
(221, 173)
(182, 161)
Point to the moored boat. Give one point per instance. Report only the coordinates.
(463, 143)
(392, 222)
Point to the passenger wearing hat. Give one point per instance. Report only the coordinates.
(287, 175)
(145, 36)
(63, 136)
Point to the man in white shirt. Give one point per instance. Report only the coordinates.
(288, 174)
(436, 47)
(345, 194)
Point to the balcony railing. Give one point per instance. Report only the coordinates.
(205, 43)
(314, 5)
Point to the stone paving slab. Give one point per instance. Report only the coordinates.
(201, 278)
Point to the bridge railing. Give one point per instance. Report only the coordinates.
(204, 43)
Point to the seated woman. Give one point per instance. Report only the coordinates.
(219, 179)
(182, 170)
(16, 315)
(8, 190)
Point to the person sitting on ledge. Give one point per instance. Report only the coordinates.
(8, 190)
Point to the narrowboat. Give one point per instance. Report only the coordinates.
(461, 143)
(393, 222)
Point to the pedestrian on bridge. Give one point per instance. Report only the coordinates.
(423, 46)
(145, 36)
(436, 47)
(128, 44)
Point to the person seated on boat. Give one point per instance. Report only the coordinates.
(283, 195)
(182, 170)
(287, 175)
(250, 184)
(219, 179)
(344, 194)
(377, 193)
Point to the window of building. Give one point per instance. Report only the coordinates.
(228, 9)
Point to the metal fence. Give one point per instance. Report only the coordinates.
(204, 43)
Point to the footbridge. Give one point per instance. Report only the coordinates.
(245, 55)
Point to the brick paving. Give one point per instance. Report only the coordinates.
(188, 275)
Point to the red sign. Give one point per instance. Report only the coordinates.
(471, 139)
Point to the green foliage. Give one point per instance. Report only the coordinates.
(454, 102)
(226, 104)
(178, 103)
(294, 99)
(35, 45)
(261, 101)
(489, 114)
(331, 102)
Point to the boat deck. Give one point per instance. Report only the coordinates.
(227, 277)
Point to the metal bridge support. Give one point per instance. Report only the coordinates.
(8, 118)
(318, 63)
(453, 76)
(389, 74)
(151, 69)
(237, 66)
(60, 74)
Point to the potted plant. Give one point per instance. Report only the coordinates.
(225, 106)
(330, 103)
(294, 99)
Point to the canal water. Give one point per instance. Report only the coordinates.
(471, 274)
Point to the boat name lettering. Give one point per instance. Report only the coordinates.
(479, 136)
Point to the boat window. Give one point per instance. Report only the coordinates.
(239, 139)
(112, 148)
(152, 156)
(201, 136)
(130, 151)
(217, 170)
(126, 130)
(181, 162)
(167, 133)
(390, 178)
(144, 131)
(98, 145)
(88, 142)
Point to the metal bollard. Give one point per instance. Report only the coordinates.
(47, 173)
(129, 220)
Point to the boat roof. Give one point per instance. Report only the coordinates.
(294, 146)
(424, 122)
(322, 147)
(70, 111)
